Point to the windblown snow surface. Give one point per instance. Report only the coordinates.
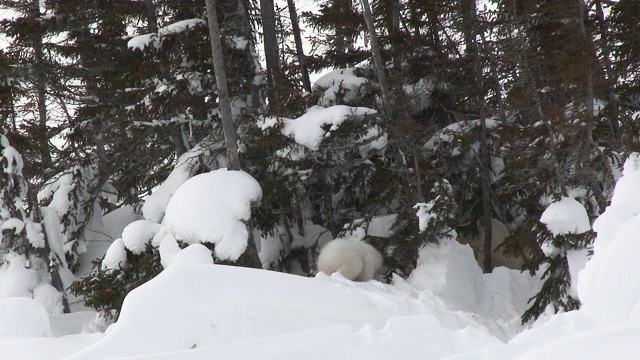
(447, 309)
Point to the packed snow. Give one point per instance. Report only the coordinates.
(446, 309)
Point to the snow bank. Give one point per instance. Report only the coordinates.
(23, 317)
(231, 311)
(449, 273)
(17, 278)
(609, 286)
(212, 207)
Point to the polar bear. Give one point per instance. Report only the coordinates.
(356, 261)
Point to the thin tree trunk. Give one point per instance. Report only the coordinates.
(471, 30)
(250, 257)
(377, 58)
(295, 26)
(230, 135)
(271, 52)
(611, 78)
(395, 31)
(45, 153)
(152, 19)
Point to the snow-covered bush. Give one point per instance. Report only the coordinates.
(28, 256)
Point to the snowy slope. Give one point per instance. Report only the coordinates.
(447, 309)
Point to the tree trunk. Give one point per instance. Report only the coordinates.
(295, 26)
(271, 52)
(470, 29)
(230, 135)
(395, 31)
(250, 257)
(377, 59)
(152, 19)
(41, 94)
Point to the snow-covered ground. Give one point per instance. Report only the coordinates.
(447, 309)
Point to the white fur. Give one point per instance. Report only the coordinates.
(355, 260)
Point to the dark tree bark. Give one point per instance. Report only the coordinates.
(471, 30)
(41, 93)
(230, 135)
(295, 27)
(250, 256)
(271, 53)
(377, 58)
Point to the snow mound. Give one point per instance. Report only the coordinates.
(137, 235)
(23, 317)
(17, 278)
(49, 298)
(212, 207)
(215, 309)
(193, 254)
(566, 216)
(609, 286)
(449, 273)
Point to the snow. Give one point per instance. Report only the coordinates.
(115, 257)
(14, 224)
(171, 254)
(34, 234)
(566, 216)
(60, 200)
(341, 83)
(155, 204)
(54, 233)
(446, 135)
(138, 235)
(14, 163)
(180, 26)
(212, 208)
(446, 309)
(140, 42)
(17, 277)
(244, 307)
(23, 317)
(49, 298)
(424, 214)
(374, 142)
(308, 129)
